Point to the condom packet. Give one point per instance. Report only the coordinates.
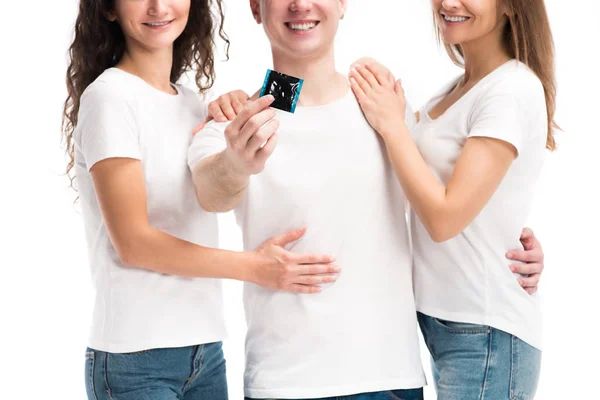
(285, 88)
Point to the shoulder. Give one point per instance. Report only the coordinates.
(111, 87)
(193, 99)
(518, 81)
(107, 102)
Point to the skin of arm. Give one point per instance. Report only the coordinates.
(222, 187)
(228, 106)
(483, 163)
(221, 180)
(121, 193)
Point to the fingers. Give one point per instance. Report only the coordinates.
(303, 289)
(250, 110)
(288, 237)
(527, 269)
(363, 61)
(201, 126)
(398, 88)
(358, 92)
(309, 284)
(214, 111)
(383, 76)
(227, 108)
(316, 279)
(531, 290)
(529, 241)
(530, 282)
(318, 269)
(239, 100)
(263, 154)
(527, 233)
(238, 106)
(527, 256)
(263, 134)
(368, 76)
(311, 259)
(362, 83)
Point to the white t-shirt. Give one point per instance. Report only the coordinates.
(330, 173)
(467, 279)
(136, 309)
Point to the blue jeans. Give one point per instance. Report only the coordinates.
(186, 373)
(408, 394)
(478, 362)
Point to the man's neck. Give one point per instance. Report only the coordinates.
(322, 83)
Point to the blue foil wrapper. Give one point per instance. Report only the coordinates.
(285, 88)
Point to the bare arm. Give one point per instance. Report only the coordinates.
(447, 211)
(221, 179)
(481, 167)
(222, 188)
(121, 193)
(531, 255)
(119, 186)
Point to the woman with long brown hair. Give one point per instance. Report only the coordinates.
(469, 171)
(158, 318)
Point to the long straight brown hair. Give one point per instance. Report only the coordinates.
(527, 38)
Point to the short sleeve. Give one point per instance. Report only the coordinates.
(507, 114)
(409, 118)
(106, 127)
(209, 141)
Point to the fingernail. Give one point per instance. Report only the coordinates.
(337, 269)
(510, 255)
(521, 282)
(512, 268)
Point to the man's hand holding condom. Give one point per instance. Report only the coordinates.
(251, 137)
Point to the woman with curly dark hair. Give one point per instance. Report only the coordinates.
(158, 318)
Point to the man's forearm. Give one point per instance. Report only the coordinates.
(219, 188)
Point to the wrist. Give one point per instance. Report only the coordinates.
(393, 128)
(231, 167)
(244, 266)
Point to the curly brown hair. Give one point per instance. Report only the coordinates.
(99, 44)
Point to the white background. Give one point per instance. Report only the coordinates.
(45, 290)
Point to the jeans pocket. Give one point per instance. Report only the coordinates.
(525, 370)
(90, 358)
(461, 327)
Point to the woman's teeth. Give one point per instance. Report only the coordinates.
(455, 19)
(302, 27)
(157, 23)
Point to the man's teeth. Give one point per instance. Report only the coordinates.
(303, 27)
(157, 23)
(455, 19)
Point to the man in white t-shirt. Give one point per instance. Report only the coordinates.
(326, 170)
